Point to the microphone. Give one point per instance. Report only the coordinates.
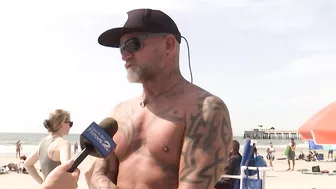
(96, 140)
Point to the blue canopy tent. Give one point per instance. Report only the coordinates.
(314, 146)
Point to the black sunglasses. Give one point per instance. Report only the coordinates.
(134, 44)
(70, 123)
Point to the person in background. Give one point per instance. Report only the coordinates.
(256, 160)
(53, 150)
(75, 148)
(315, 154)
(18, 149)
(310, 156)
(291, 154)
(270, 154)
(232, 167)
(22, 169)
(330, 154)
(302, 156)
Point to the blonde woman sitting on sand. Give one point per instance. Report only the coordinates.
(53, 150)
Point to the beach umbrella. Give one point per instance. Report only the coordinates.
(321, 127)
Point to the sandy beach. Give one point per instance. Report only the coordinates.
(15, 180)
(278, 178)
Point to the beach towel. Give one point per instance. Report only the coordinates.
(287, 150)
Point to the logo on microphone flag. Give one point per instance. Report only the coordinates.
(99, 139)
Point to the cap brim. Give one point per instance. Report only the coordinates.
(111, 38)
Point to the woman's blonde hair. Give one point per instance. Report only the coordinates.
(55, 120)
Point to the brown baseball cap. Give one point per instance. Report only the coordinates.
(140, 20)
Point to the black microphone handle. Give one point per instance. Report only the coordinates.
(80, 157)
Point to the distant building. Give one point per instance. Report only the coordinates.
(271, 133)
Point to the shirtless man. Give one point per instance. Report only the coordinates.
(174, 135)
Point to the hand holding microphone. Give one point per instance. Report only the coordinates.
(60, 178)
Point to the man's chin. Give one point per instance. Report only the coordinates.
(133, 80)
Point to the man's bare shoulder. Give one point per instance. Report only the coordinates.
(199, 98)
(124, 107)
(206, 110)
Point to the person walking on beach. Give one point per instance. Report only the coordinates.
(291, 154)
(173, 135)
(330, 154)
(53, 150)
(270, 154)
(75, 148)
(18, 149)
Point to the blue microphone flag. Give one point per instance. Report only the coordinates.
(99, 139)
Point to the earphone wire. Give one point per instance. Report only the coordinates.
(191, 76)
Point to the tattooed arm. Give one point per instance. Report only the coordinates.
(207, 140)
(105, 173)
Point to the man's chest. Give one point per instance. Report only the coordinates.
(157, 134)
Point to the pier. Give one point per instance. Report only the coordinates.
(272, 134)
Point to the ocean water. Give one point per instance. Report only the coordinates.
(30, 141)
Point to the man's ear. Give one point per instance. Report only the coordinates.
(170, 44)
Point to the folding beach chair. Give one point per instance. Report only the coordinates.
(250, 177)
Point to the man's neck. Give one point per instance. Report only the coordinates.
(162, 84)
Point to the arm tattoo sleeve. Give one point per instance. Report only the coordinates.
(207, 142)
(105, 174)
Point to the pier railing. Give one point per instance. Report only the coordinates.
(272, 134)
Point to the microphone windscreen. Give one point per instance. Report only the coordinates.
(109, 125)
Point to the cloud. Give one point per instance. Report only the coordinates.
(318, 43)
(287, 97)
(61, 7)
(274, 16)
(302, 80)
(53, 44)
(321, 66)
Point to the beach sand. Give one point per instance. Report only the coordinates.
(15, 180)
(278, 178)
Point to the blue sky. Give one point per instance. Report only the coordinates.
(272, 62)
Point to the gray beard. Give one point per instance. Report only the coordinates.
(139, 75)
(135, 74)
